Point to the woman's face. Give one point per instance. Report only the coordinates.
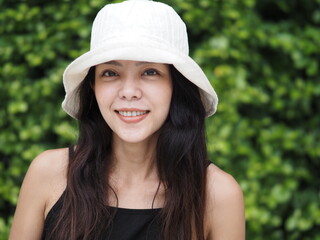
(133, 97)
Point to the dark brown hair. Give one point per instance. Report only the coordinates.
(181, 162)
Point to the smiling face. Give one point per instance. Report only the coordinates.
(133, 97)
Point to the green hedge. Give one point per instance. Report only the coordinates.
(263, 59)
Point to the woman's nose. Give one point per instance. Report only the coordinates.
(130, 89)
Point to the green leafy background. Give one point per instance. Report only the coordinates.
(262, 57)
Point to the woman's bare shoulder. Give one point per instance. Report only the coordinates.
(42, 186)
(49, 169)
(221, 185)
(224, 205)
(50, 162)
(47, 173)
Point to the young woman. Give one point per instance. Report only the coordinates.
(139, 169)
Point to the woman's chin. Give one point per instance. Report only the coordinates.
(135, 138)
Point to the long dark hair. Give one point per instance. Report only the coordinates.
(181, 162)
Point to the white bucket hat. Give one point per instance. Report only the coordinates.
(137, 30)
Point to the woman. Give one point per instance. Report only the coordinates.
(139, 169)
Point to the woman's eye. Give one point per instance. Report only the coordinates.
(109, 73)
(150, 72)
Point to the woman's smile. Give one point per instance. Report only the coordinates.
(132, 115)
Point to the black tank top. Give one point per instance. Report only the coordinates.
(127, 224)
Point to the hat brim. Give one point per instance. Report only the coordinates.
(135, 50)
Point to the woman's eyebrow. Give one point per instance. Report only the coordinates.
(143, 63)
(115, 63)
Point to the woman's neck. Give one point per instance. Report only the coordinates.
(134, 177)
(134, 161)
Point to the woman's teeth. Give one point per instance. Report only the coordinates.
(131, 113)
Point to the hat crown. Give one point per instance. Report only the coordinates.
(135, 19)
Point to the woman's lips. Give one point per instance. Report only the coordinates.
(132, 115)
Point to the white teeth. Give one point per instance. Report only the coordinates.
(131, 113)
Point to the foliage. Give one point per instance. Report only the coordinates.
(262, 57)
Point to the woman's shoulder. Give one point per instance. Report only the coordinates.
(221, 185)
(48, 170)
(50, 161)
(224, 205)
(43, 184)
(50, 167)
